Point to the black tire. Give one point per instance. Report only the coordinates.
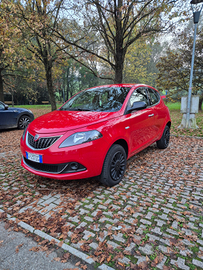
(164, 141)
(114, 166)
(23, 121)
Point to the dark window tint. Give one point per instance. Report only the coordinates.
(154, 96)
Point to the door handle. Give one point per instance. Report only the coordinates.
(150, 115)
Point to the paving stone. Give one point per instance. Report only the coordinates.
(119, 237)
(130, 247)
(101, 239)
(163, 249)
(82, 224)
(124, 260)
(113, 244)
(187, 231)
(153, 237)
(140, 259)
(197, 263)
(140, 229)
(161, 264)
(175, 224)
(94, 245)
(157, 230)
(200, 254)
(89, 206)
(147, 249)
(88, 234)
(160, 222)
(89, 219)
(149, 215)
(185, 252)
(180, 263)
(164, 216)
(83, 211)
(172, 231)
(200, 242)
(74, 219)
(46, 209)
(144, 221)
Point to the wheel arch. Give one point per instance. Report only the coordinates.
(124, 144)
(169, 124)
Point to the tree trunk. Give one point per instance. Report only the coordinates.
(119, 59)
(118, 75)
(1, 88)
(119, 54)
(67, 82)
(200, 103)
(50, 87)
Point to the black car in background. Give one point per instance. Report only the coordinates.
(11, 117)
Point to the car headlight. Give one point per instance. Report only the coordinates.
(81, 137)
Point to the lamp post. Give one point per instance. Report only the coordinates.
(197, 6)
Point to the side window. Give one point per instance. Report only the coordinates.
(2, 106)
(138, 95)
(154, 96)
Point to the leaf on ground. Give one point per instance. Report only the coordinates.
(60, 244)
(57, 259)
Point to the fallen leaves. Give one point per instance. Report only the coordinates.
(17, 248)
(164, 180)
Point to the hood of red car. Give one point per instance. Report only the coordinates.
(61, 121)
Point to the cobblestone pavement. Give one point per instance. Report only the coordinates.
(152, 220)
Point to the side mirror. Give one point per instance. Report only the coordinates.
(138, 105)
(6, 107)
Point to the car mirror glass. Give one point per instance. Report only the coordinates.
(6, 107)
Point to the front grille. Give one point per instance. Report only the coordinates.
(49, 168)
(41, 143)
(54, 168)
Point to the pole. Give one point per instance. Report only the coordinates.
(191, 75)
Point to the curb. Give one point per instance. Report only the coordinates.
(71, 250)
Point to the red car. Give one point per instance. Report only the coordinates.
(95, 132)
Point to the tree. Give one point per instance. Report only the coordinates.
(140, 62)
(114, 26)
(11, 52)
(37, 20)
(174, 67)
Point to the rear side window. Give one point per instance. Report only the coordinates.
(138, 95)
(154, 96)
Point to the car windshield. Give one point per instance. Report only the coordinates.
(108, 99)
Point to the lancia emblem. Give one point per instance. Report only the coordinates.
(36, 137)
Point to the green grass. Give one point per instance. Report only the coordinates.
(173, 106)
(30, 107)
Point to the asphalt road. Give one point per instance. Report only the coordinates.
(15, 254)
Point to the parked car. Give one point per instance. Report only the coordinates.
(95, 132)
(11, 117)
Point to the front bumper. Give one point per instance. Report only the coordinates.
(70, 163)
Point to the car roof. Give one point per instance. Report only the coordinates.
(120, 85)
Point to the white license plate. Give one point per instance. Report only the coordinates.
(34, 157)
